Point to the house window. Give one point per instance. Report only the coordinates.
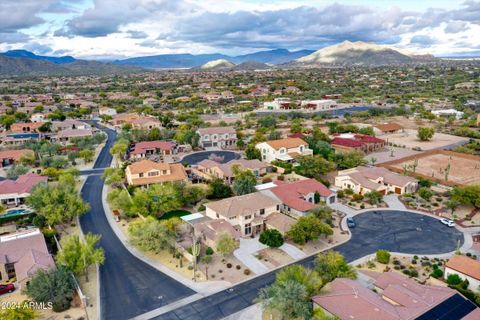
(248, 228)
(248, 217)
(153, 174)
(140, 174)
(262, 211)
(301, 148)
(164, 172)
(233, 218)
(278, 207)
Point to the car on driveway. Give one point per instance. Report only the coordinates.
(6, 288)
(448, 222)
(350, 222)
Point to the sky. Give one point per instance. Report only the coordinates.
(116, 29)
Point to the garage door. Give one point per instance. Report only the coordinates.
(398, 190)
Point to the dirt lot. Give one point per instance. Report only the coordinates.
(464, 169)
(409, 139)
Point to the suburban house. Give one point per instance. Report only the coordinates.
(318, 104)
(223, 137)
(298, 197)
(385, 128)
(208, 231)
(146, 172)
(65, 136)
(283, 149)
(14, 192)
(209, 169)
(106, 111)
(22, 254)
(18, 139)
(358, 142)
(146, 123)
(123, 118)
(279, 104)
(448, 113)
(10, 157)
(37, 117)
(393, 297)
(365, 179)
(467, 268)
(145, 149)
(21, 127)
(246, 213)
(70, 124)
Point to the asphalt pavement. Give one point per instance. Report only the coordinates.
(128, 286)
(396, 231)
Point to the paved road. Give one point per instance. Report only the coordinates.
(128, 286)
(391, 230)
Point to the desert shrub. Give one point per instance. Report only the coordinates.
(246, 272)
(453, 279)
(206, 259)
(209, 251)
(406, 272)
(238, 267)
(383, 256)
(357, 197)
(229, 265)
(437, 273)
(413, 273)
(272, 238)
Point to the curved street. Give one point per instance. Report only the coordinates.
(396, 231)
(128, 286)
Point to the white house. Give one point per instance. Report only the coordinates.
(279, 104)
(283, 149)
(319, 105)
(107, 111)
(223, 137)
(466, 268)
(448, 113)
(37, 117)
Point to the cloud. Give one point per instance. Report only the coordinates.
(137, 34)
(422, 40)
(38, 48)
(13, 37)
(456, 27)
(15, 15)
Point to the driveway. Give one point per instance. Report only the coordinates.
(245, 253)
(393, 202)
(128, 286)
(395, 231)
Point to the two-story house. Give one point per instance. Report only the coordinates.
(283, 149)
(247, 213)
(209, 169)
(223, 137)
(146, 172)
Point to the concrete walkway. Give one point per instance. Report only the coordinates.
(254, 312)
(293, 251)
(393, 202)
(245, 253)
(343, 208)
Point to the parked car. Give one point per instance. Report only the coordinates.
(350, 223)
(448, 222)
(6, 288)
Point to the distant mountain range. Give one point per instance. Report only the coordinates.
(25, 63)
(186, 60)
(359, 53)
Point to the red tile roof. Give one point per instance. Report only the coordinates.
(355, 141)
(23, 184)
(141, 147)
(465, 265)
(292, 194)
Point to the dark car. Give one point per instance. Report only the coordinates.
(6, 288)
(351, 223)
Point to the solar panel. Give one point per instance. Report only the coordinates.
(454, 308)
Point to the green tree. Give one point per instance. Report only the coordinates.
(452, 204)
(17, 171)
(289, 296)
(56, 286)
(217, 189)
(119, 149)
(87, 155)
(347, 160)
(19, 312)
(425, 133)
(271, 237)
(383, 256)
(308, 228)
(453, 279)
(244, 182)
(425, 193)
(157, 199)
(332, 264)
(225, 244)
(252, 153)
(57, 201)
(114, 176)
(374, 197)
(313, 166)
(151, 235)
(468, 195)
(296, 126)
(77, 255)
(267, 122)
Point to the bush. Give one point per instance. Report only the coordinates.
(340, 194)
(209, 251)
(406, 272)
(383, 256)
(413, 273)
(437, 273)
(39, 221)
(362, 206)
(453, 279)
(357, 197)
(206, 259)
(272, 238)
(229, 265)
(246, 272)
(238, 267)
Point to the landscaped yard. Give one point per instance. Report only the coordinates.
(175, 213)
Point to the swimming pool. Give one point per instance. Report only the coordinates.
(15, 213)
(221, 156)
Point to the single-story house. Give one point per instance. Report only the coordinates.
(365, 179)
(385, 128)
(145, 149)
(14, 192)
(9, 157)
(467, 268)
(22, 254)
(357, 142)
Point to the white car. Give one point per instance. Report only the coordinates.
(447, 222)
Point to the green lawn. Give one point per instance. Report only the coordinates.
(175, 213)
